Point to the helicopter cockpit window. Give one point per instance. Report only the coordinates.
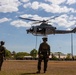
(32, 28)
(39, 29)
(42, 30)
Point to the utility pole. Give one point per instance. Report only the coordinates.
(72, 45)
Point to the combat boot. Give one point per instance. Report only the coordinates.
(38, 72)
(44, 71)
(0, 69)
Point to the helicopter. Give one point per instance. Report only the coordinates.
(45, 29)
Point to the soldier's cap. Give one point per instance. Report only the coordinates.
(44, 38)
(2, 42)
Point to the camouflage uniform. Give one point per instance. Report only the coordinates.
(2, 54)
(44, 52)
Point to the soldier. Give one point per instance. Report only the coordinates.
(43, 53)
(2, 53)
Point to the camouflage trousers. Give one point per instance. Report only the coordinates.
(45, 59)
(1, 62)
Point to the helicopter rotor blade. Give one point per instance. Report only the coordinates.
(52, 18)
(36, 22)
(28, 19)
(40, 21)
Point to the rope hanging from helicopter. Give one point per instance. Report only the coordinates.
(36, 43)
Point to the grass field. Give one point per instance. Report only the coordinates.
(29, 67)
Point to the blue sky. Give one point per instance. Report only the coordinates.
(13, 29)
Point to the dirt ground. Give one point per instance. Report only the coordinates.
(29, 67)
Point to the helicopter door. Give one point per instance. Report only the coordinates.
(47, 30)
(35, 30)
(44, 30)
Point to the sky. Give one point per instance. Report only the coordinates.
(13, 29)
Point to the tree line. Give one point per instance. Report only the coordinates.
(14, 55)
(33, 53)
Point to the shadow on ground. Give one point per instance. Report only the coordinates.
(28, 73)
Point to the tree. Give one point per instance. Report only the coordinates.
(68, 56)
(22, 54)
(7, 54)
(54, 57)
(13, 52)
(59, 54)
(13, 55)
(33, 53)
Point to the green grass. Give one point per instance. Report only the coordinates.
(29, 67)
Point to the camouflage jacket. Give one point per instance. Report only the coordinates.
(2, 51)
(44, 49)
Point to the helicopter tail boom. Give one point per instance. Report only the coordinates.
(74, 30)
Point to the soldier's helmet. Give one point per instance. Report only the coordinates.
(44, 38)
(2, 42)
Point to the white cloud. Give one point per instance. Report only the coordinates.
(66, 10)
(24, 0)
(54, 8)
(9, 5)
(62, 1)
(35, 5)
(20, 23)
(27, 5)
(65, 21)
(46, 7)
(56, 1)
(26, 15)
(71, 2)
(4, 20)
(36, 17)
